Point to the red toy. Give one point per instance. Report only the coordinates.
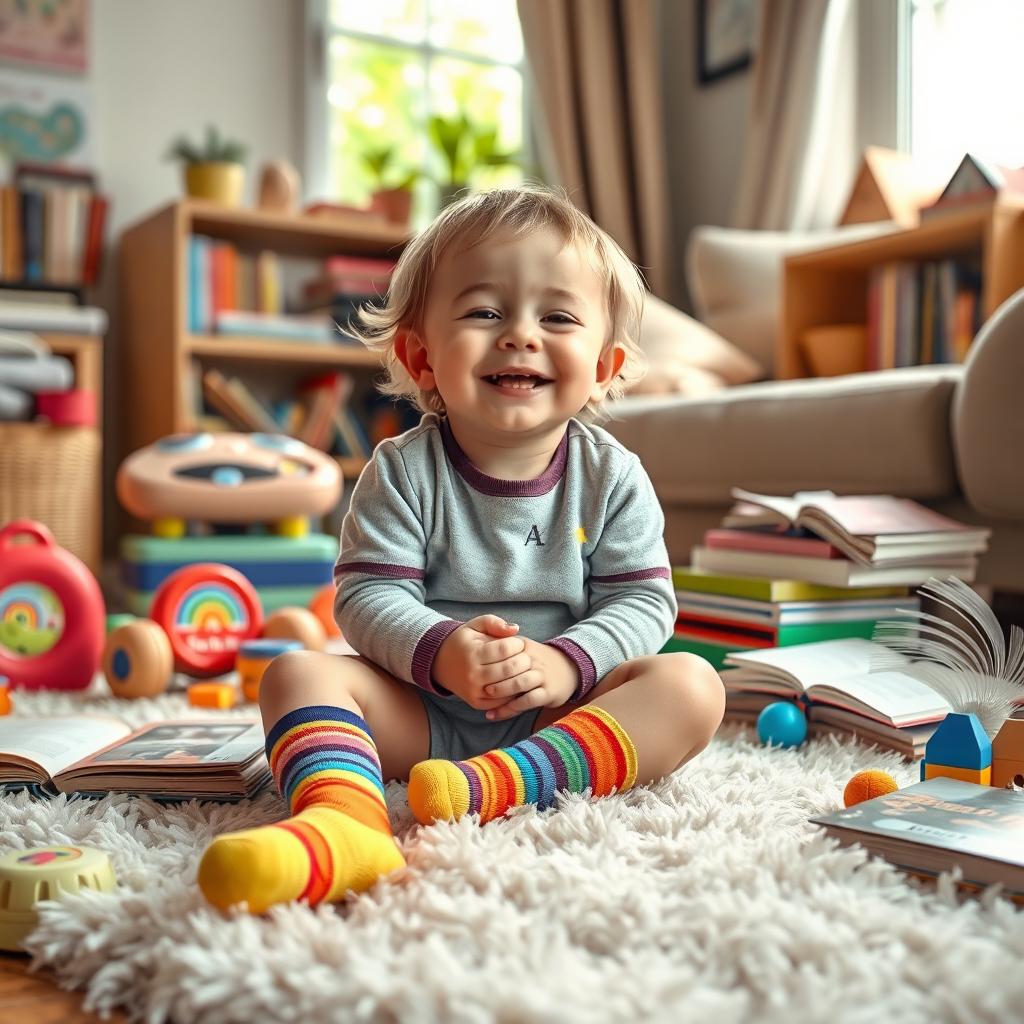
(51, 612)
(207, 610)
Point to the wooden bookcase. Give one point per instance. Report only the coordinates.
(830, 286)
(157, 346)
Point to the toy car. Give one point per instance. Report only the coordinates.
(228, 479)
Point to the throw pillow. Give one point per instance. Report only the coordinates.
(686, 357)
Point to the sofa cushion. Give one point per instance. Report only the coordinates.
(685, 357)
(987, 421)
(884, 432)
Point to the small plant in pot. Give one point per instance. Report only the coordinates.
(214, 170)
(392, 193)
(464, 148)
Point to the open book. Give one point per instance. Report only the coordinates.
(939, 824)
(215, 759)
(873, 529)
(834, 682)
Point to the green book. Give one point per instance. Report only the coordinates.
(763, 589)
(713, 653)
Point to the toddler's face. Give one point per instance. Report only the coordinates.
(531, 304)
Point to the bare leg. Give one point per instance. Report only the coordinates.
(670, 705)
(391, 708)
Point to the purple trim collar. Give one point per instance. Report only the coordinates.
(485, 484)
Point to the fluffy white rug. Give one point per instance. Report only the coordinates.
(706, 897)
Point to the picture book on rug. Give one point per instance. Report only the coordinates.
(834, 683)
(934, 826)
(214, 759)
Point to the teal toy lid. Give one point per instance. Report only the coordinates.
(268, 647)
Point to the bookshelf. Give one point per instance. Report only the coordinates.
(157, 346)
(830, 286)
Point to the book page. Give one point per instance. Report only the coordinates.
(172, 747)
(54, 743)
(900, 698)
(787, 507)
(807, 664)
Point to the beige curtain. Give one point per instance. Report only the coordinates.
(598, 112)
(800, 152)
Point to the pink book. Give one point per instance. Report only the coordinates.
(750, 540)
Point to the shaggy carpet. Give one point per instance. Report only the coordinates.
(705, 897)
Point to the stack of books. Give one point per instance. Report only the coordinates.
(839, 685)
(782, 571)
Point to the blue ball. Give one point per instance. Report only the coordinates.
(782, 724)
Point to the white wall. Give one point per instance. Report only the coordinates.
(162, 68)
(704, 132)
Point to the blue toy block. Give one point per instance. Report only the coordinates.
(959, 742)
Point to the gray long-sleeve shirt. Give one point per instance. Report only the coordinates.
(576, 556)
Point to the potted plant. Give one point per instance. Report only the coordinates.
(464, 147)
(214, 171)
(392, 194)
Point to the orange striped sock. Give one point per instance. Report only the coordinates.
(587, 749)
(338, 838)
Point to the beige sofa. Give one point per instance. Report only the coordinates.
(951, 437)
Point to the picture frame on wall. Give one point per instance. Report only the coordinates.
(46, 35)
(726, 33)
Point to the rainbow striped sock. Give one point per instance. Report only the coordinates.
(586, 749)
(338, 838)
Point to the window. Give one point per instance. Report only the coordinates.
(965, 95)
(387, 70)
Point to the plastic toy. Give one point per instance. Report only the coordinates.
(212, 695)
(207, 610)
(322, 606)
(253, 658)
(228, 478)
(51, 612)
(5, 696)
(137, 660)
(782, 724)
(1008, 754)
(959, 749)
(867, 785)
(26, 876)
(296, 624)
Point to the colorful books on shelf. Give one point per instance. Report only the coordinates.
(934, 826)
(833, 681)
(719, 614)
(923, 313)
(221, 278)
(230, 397)
(52, 221)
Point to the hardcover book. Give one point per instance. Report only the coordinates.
(212, 759)
(940, 824)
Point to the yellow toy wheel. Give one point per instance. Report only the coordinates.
(293, 526)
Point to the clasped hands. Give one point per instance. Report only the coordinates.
(493, 669)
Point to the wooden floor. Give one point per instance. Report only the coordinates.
(36, 998)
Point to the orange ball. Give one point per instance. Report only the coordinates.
(294, 623)
(322, 606)
(867, 785)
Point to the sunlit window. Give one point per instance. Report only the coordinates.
(965, 81)
(423, 93)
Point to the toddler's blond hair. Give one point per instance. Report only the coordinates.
(471, 220)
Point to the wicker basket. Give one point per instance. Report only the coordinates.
(52, 474)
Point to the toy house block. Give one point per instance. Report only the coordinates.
(1008, 753)
(890, 186)
(977, 181)
(960, 749)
